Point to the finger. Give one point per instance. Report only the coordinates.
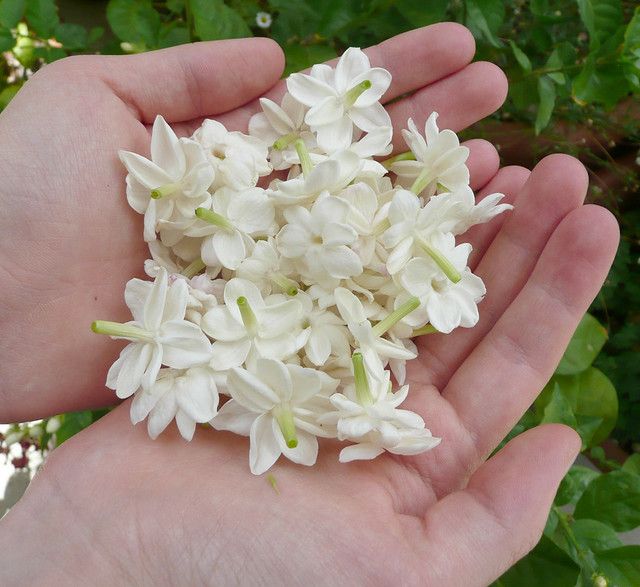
(557, 185)
(500, 515)
(503, 375)
(483, 162)
(461, 99)
(189, 81)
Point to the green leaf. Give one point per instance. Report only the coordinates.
(595, 535)
(574, 483)
(547, 95)
(558, 410)
(72, 36)
(11, 11)
(601, 18)
(95, 33)
(613, 498)
(545, 565)
(521, 57)
(302, 56)
(591, 395)
(171, 35)
(214, 20)
(632, 464)
(6, 40)
(7, 94)
(72, 423)
(484, 18)
(585, 345)
(555, 62)
(134, 21)
(621, 566)
(422, 13)
(176, 6)
(335, 16)
(42, 16)
(294, 19)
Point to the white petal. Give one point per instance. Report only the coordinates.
(353, 62)
(154, 305)
(248, 390)
(135, 293)
(380, 81)
(305, 453)
(305, 383)
(341, 262)
(229, 248)
(308, 90)
(264, 449)
(349, 306)
(220, 324)
(235, 418)
(318, 347)
(360, 452)
(166, 151)
(370, 118)
(277, 117)
(143, 402)
(186, 425)
(327, 111)
(335, 233)
(197, 394)
(276, 376)
(163, 412)
(336, 135)
(184, 344)
(144, 171)
(225, 355)
(132, 369)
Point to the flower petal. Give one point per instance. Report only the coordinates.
(163, 412)
(360, 452)
(166, 151)
(250, 391)
(264, 449)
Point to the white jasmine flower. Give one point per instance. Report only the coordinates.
(412, 228)
(239, 159)
(178, 175)
(369, 341)
(247, 322)
(266, 268)
(280, 127)
(339, 98)
(320, 237)
(265, 405)
(327, 334)
(367, 412)
(329, 176)
(230, 224)
(159, 335)
(439, 159)
(263, 20)
(470, 213)
(189, 396)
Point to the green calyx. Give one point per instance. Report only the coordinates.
(421, 182)
(407, 156)
(363, 392)
(121, 330)
(284, 417)
(428, 329)
(303, 155)
(193, 268)
(248, 317)
(398, 314)
(164, 190)
(213, 218)
(287, 285)
(445, 265)
(355, 92)
(284, 141)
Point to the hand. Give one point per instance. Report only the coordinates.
(114, 507)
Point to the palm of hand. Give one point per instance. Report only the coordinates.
(194, 511)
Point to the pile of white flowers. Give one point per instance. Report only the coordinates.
(297, 297)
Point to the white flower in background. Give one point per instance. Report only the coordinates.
(189, 396)
(239, 159)
(247, 322)
(439, 159)
(280, 127)
(320, 237)
(264, 405)
(339, 98)
(177, 176)
(329, 176)
(230, 224)
(263, 20)
(375, 349)
(367, 412)
(267, 269)
(159, 335)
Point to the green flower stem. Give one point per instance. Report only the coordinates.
(421, 182)
(447, 267)
(406, 156)
(428, 329)
(284, 141)
(362, 384)
(287, 285)
(586, 561)
(355, 92)
(303, 154)
(193, 268)
(398, 314)
(284, 417)
(248, 317)
(164, 190)
(119, 329)
(213, 218)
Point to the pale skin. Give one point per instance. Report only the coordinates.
(113, 507)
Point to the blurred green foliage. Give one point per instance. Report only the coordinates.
(574, 72)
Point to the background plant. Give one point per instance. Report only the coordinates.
(574, 72)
